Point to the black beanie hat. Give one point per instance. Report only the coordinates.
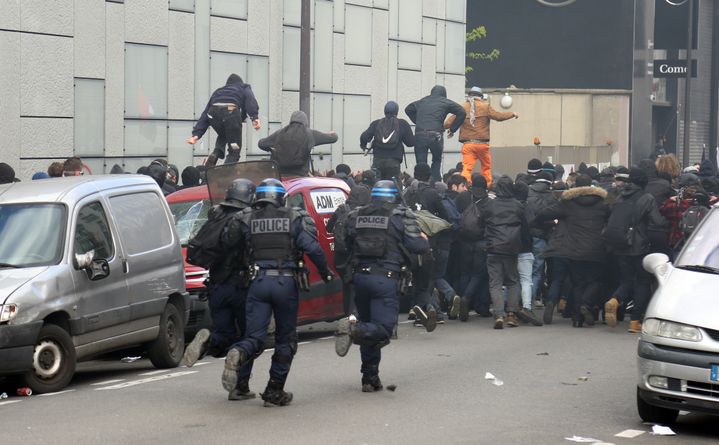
(592, 172)
(479, 181)
(422, 172)
(545, 176)
(638, 176)
(583, 181)
(622, 173)
(534, 166)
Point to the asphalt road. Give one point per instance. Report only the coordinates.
(558, 382)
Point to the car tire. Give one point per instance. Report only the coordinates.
(54, 361)
(655, 414)
(166, 351)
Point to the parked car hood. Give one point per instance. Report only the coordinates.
(687, 297)
(12, 279)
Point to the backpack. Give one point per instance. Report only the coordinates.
(340, 229)
(205, 248)
(386, 133)
(691, 219)
(619, 232)
(469, 224)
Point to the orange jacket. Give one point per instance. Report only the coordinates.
(483, 112)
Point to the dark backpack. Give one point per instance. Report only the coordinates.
(619, 232)
(469, 224)
(386, 133)
(340, 228)
(205, 248)
(691, 219)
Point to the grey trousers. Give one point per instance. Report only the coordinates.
(502, 270)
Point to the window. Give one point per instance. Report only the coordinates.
(297, 200)
(145, 81)
(142, 222)
(190, 216)
(290, 58)
(358, 35)
(357, 115)
(89, 119)
(322, 52)
(31, 234)
(292, 12)
(456, 10)
(409, 56)
(224, 64)
(236, 9)
(258, 75)
(93, 233)
(454, 58)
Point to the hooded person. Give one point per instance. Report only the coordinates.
(158, 172)
(190, 177)
(660, 188)
(344, 172)
(429, 114)
(707, 175)
(540, 198)
(389, 137)
(225, 112)
(291, 146)
(474, 132)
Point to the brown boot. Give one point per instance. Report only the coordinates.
(511, 320)
(635, 326)
(610, 312)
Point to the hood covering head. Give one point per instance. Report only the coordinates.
(688, 179)
(359, 196)
(521, 191)
(391, 108)
(479, 182)
(422, 172)
(438, 90)
(706, 168)
(545, 177)
(299, 117)
(7, 174)
(649, 167)
(233, 79)
(638, 177)
(505, 187)
(592, 172)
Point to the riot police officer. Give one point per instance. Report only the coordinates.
(380, 237)
(276, 237)
(227, 285)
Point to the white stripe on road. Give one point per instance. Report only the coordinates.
(107, 382)
(147, 380)
(9, 402)
(55, 393)
(159, 371)
(630, 434)
(202, 363)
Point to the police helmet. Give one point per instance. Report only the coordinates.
(271, 190)
(240, 193)
(384, 191)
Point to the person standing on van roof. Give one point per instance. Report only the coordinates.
(429, 114)
(291, 146)
(389, 136)
(276, 237)
(225, 112)
(474, 133)
(228, 283)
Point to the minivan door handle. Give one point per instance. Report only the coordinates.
(125, 266)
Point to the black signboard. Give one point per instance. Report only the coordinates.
(673, 68)
(671, 21)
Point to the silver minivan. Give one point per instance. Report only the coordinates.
(679, 345)
(88, 265)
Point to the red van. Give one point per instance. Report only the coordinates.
(318, 196)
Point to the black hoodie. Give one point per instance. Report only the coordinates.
(659, 188)
(504, 220)
(708, 177)
(430, 112)
(235, 92)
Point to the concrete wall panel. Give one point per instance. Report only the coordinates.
(114, 79)
(46, 85)
(433, 8)
(338, 64)
(181, 70)
(146, 21)
(275, 62)
(10, 99)
(576, 125)
(409, 83)
(429, 75)
(540, 116)
(290, 104)
(89, 40)
(10, 17)
(228, 35)
(46, 16)
(45, 137)
(258, 28)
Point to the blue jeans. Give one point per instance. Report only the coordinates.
(560, 272)
(268, 295)
(538, 246)
(377, 309)
(433, 142)
(524, 267)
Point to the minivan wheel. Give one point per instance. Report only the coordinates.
(53, 361)
(166, 351)
(655, 414)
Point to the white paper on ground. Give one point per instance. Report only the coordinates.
(498, 382)
(581, 439)
(489, 376)
(630, 434)
(661, 430)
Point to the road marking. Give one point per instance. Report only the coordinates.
(55, 393)
(202, 363)
(147, 380)
(159, 371)
(9, 402)
(107, 382)
(630, 434)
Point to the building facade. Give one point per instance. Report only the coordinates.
(122, 82)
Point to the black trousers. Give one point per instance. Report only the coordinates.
(586, 283)
(228, 126)
(388, 167)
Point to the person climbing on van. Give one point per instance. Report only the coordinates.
(225, 112)
(388, 136)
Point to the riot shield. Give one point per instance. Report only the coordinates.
(219, 178)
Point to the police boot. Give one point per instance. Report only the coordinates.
(371, 383)
(343, 340)
(241, 392)
(236, 357)
(197, 348)
(275, 394)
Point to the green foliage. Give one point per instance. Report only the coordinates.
(474, 35)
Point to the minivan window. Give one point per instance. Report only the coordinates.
(702, 249)
(189, 217)
(93, 233)
(142, 222)
(31, 234)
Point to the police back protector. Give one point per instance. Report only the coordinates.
(373, 239)
(270, 236)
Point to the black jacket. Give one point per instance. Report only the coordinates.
(464, 199)
(582, 215)
(540, 197)
(430, 112)
(406, 138)
(708, 178)
(660, 188)
(504, 220)
(646, 215)
(234, 92)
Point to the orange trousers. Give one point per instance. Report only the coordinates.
(471, 152)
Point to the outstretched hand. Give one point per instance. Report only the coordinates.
(192, 140)
(256, 124)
